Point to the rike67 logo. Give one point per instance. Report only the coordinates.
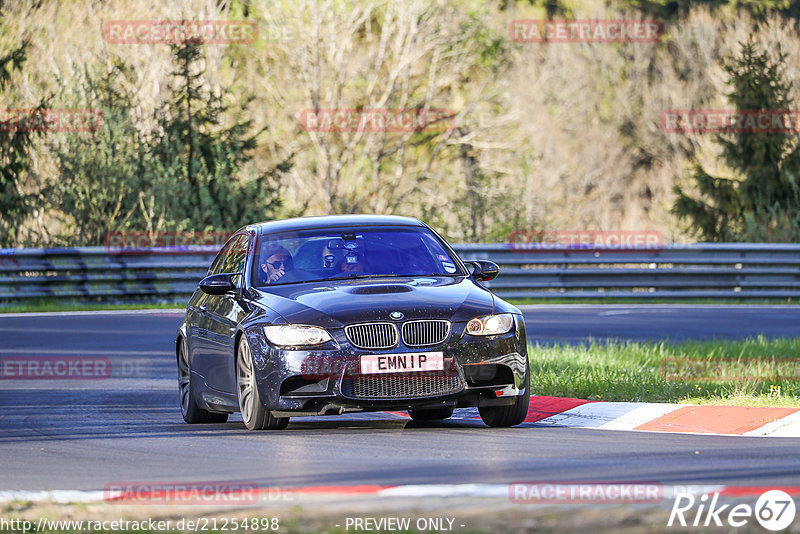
(774, 510)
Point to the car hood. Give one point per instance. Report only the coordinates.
(333, 304)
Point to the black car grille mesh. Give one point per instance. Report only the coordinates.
(401, 386)
(428, 332)
(372, 335)
(384, 335)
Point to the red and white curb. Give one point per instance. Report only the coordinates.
(656, 417)
(503, 491)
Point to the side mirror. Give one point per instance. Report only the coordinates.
(218, 284)
(483, 270)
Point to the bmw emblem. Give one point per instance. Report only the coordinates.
(396, 315)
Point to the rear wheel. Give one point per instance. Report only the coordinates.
(254, 415)
(513, 414)
(430, 414)
(191, 411)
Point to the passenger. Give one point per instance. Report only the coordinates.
(278, 261)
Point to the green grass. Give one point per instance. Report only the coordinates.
(47, 305)
(758, 371)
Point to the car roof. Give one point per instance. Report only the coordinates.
(332, 221)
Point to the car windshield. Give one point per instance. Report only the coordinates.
(339, 253)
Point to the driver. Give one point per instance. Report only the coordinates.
(276, 261)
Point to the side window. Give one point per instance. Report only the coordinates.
(236, 255)
(216, 265)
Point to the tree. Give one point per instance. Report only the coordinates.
(761, 201)
(486, 210)
(201, 163)
(16, 144)
(183, 170)
(101, 179)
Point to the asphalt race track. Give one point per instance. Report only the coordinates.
(641, 322)
(66, 434)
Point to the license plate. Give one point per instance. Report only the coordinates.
(402, 363)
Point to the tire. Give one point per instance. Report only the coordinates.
(513, 414)
(191, 411)
(430, 414)
(254, 415)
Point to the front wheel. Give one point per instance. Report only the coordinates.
(513, 414)
(191, 411)
(254, 415)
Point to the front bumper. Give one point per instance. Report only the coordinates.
(479, 371)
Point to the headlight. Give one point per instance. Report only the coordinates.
(490, 325)
(294, 335)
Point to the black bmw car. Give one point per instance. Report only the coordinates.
(329, 315)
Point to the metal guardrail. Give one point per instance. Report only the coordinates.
(94, 272)
(740, 270)
(703, 270)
